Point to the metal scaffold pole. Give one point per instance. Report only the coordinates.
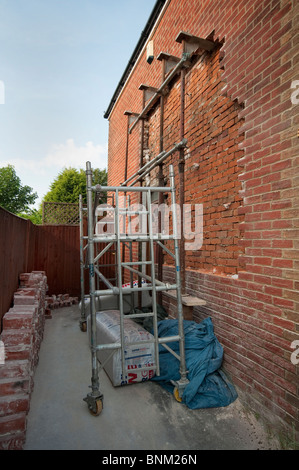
(82, 264)
(181, 384)
(95, 398)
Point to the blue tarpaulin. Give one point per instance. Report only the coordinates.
(208, 386)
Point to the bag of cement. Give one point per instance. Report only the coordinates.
(136, 357)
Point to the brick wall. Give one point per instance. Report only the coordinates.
(211, 161)
(23, 327)
(241, 122)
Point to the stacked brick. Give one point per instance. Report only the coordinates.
(23, 328)
(59, 301)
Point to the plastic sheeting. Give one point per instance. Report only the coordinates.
(208, 386)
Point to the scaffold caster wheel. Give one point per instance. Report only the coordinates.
(97, 409)
(94, 403)
(177, 395)
(83, 326)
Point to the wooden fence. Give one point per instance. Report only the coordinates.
(25, 247)
(55, 213)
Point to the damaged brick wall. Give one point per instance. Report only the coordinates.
(211, 161)
(248, 268)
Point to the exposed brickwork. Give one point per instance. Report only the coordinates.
(211, 128)
(242, 165)
(23, 327)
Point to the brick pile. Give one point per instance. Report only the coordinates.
(60, 301)
(23, 328)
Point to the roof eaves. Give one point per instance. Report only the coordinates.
(139, 46)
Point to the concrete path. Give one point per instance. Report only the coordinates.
(135, 417)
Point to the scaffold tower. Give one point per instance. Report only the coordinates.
(119, 236)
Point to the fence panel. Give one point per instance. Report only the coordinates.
(57, 253)
(14, 248)
(55, 249)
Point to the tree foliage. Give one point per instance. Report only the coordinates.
(13, 196)
(70, 183)
(35, 215)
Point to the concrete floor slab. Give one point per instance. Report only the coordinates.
(140, 416)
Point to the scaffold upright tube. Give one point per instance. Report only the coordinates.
(183, 370)
(93, 399)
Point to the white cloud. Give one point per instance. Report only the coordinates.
(63, 156)
(39, 173)
(69, 155)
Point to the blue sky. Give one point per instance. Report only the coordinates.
(60, 62)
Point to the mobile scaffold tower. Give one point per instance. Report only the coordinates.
(144, 268)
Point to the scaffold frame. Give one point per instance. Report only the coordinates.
(120, 239)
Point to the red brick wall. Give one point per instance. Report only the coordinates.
(211, 128)
(247, 181)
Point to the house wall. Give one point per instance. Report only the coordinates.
(241, 163)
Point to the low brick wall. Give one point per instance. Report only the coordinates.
(23, 328)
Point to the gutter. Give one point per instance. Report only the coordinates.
(142, 40)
